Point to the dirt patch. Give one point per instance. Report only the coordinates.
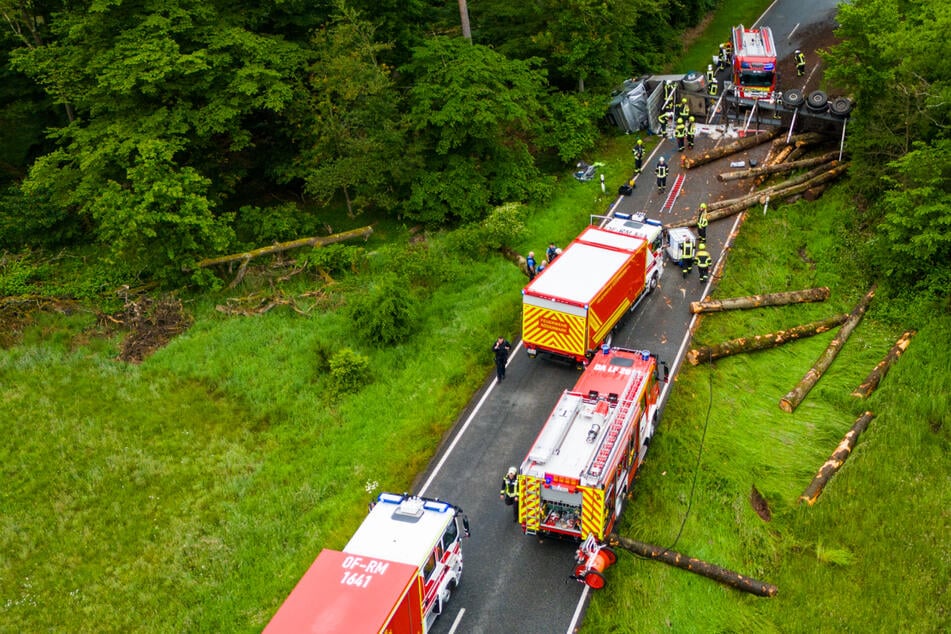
(152, 323)
(18, 313)
(760, 505)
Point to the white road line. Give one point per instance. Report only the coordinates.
(789, 37)
(455, 623)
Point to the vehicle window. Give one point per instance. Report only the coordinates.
(452, 531)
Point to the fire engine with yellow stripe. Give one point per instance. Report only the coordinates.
(394, 575)
(575, 478)
(574, 305)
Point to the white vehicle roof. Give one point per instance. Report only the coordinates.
(401, 528)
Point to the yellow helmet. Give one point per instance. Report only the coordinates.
(691, 119)
(684, 100)
(680, 119)
(703, 205)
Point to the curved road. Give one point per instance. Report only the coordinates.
(518, 583)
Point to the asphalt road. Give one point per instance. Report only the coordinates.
(517, 583)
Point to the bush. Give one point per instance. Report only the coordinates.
(503, 228)
(349, 371)
(386, 314)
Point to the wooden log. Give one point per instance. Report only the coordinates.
(762, 342)
(774, 168)
(834, 463)
(816, 294)
(795, 396)
(791, 190)
(316, 241)
(813, 193)
(789, 182)
(731, 148)
(881, 369)
(696, 566)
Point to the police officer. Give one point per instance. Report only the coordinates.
(691, 131)
(684, 111)
(800, 63)
(703, 261)
(702, 221)
(509, 492)
(638, 157)
(680, 132)
(686, 257)
(661, 173)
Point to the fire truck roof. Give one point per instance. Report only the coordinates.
(753, 42)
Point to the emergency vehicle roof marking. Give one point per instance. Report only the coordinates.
(583, 268)
(753, 42)
(385, 536)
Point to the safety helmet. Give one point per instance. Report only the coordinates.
(661, 160)
(691, 119)
(703, 205)
(640, 142)
(701, 246)
(684, 100)
(798, 51)
(512, 471)
(709, 66)
(680, 119)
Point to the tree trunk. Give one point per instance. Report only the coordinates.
(879, 371)
(787, 189)
(817, 294)
(317, 241)
(777, 167)
(711, 571)
(834, 463)
(813, 193)
(795, 396)
(763, 342)
(731, 148)
(790, 182)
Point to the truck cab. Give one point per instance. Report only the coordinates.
(639, 225)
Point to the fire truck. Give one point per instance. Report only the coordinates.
(575, 478)
(573, 306)
(394, 575)
(754, 63)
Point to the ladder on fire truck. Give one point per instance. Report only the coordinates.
(616, 423)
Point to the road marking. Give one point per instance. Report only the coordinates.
(789, 37)
(455, 623)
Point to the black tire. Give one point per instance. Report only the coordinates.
(793, 98)
(652, 284)
(817, 101)
(841, 106)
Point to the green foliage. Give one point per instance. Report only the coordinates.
(503, 228)
(15, 276)
(572, 127)
(385, 314)
(31, 221)
(349, 371)
(335, 258)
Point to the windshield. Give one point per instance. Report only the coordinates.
(759, 79)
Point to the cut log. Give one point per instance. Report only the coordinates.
(777, 167)
(696, 566)
(795, 396)
(817, 294)
(790, 182)
(740, 345)
(879, 371)
(834, 463)
(317, 241)
(807, 138)
(813, 193)
(789, 189)
(731, 148)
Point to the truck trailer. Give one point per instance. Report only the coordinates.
(578, 472)
(572, 307)
(394, 575)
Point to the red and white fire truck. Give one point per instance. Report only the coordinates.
(754, 63)
(575, 478)
(394, 575)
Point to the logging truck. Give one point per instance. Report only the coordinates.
(574, 305)
(395, 574)
(578, 472)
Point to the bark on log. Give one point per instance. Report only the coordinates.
(817, 294)
(697, 566)
(789, 182)
(789, 189)
(881, 369)
(777, 167)
(763, 342)
(795, 396)
(813, 193)
(835, 461)
(731, 148)
(316, 241)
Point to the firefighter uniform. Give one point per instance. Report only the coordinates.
(509, 492)
(712, 88)
(703, 262)
(684, 111)
(691, 131)
(702, 221)
(800, 63)
(711, 76)
(665, 117)
(661, 173)
(680, 132)
(686, 257)
(669, 90)
(638, 156)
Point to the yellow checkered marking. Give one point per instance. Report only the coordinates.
(592, 513)
(537, 329)
(529, 502)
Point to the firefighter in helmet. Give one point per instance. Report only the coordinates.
(509, 492)
(800, 63)
(691, 131)
(702, 221)
(661, 173)
(680, 132)
(703, 261)
(638, 156)
(686, 257)
(684, 111)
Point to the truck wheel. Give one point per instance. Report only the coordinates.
(817, 101)
(841, 106)
(793, 98)
(594, 579)
(653, 283)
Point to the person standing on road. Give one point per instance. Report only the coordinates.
(800, 63)
(680, 132)
(638, 158)
(509, 492)
(661, 173)
(703, 262)
(684, 111)
(691, 131)
(501, 350)
(702, 221)
(686, 257)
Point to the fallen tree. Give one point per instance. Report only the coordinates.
(881, 369)
(731, 148)
(836, 460)
(763, 342)
(817, 294)
(774, 168)
(697, 566)
(795, 396)
(316, 241)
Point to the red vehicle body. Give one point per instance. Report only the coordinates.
(754, 63)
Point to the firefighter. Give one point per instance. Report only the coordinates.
(702, 221)
(711, 76)
(703, 261)
(712, 88)
(669, 89)
(684, 111)
(663, 119)
(691, 131)
(509, 492)
(723, 59)
(638, 156)
(661, 173)
(800, 63)
(680, 132)
(686, 257)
